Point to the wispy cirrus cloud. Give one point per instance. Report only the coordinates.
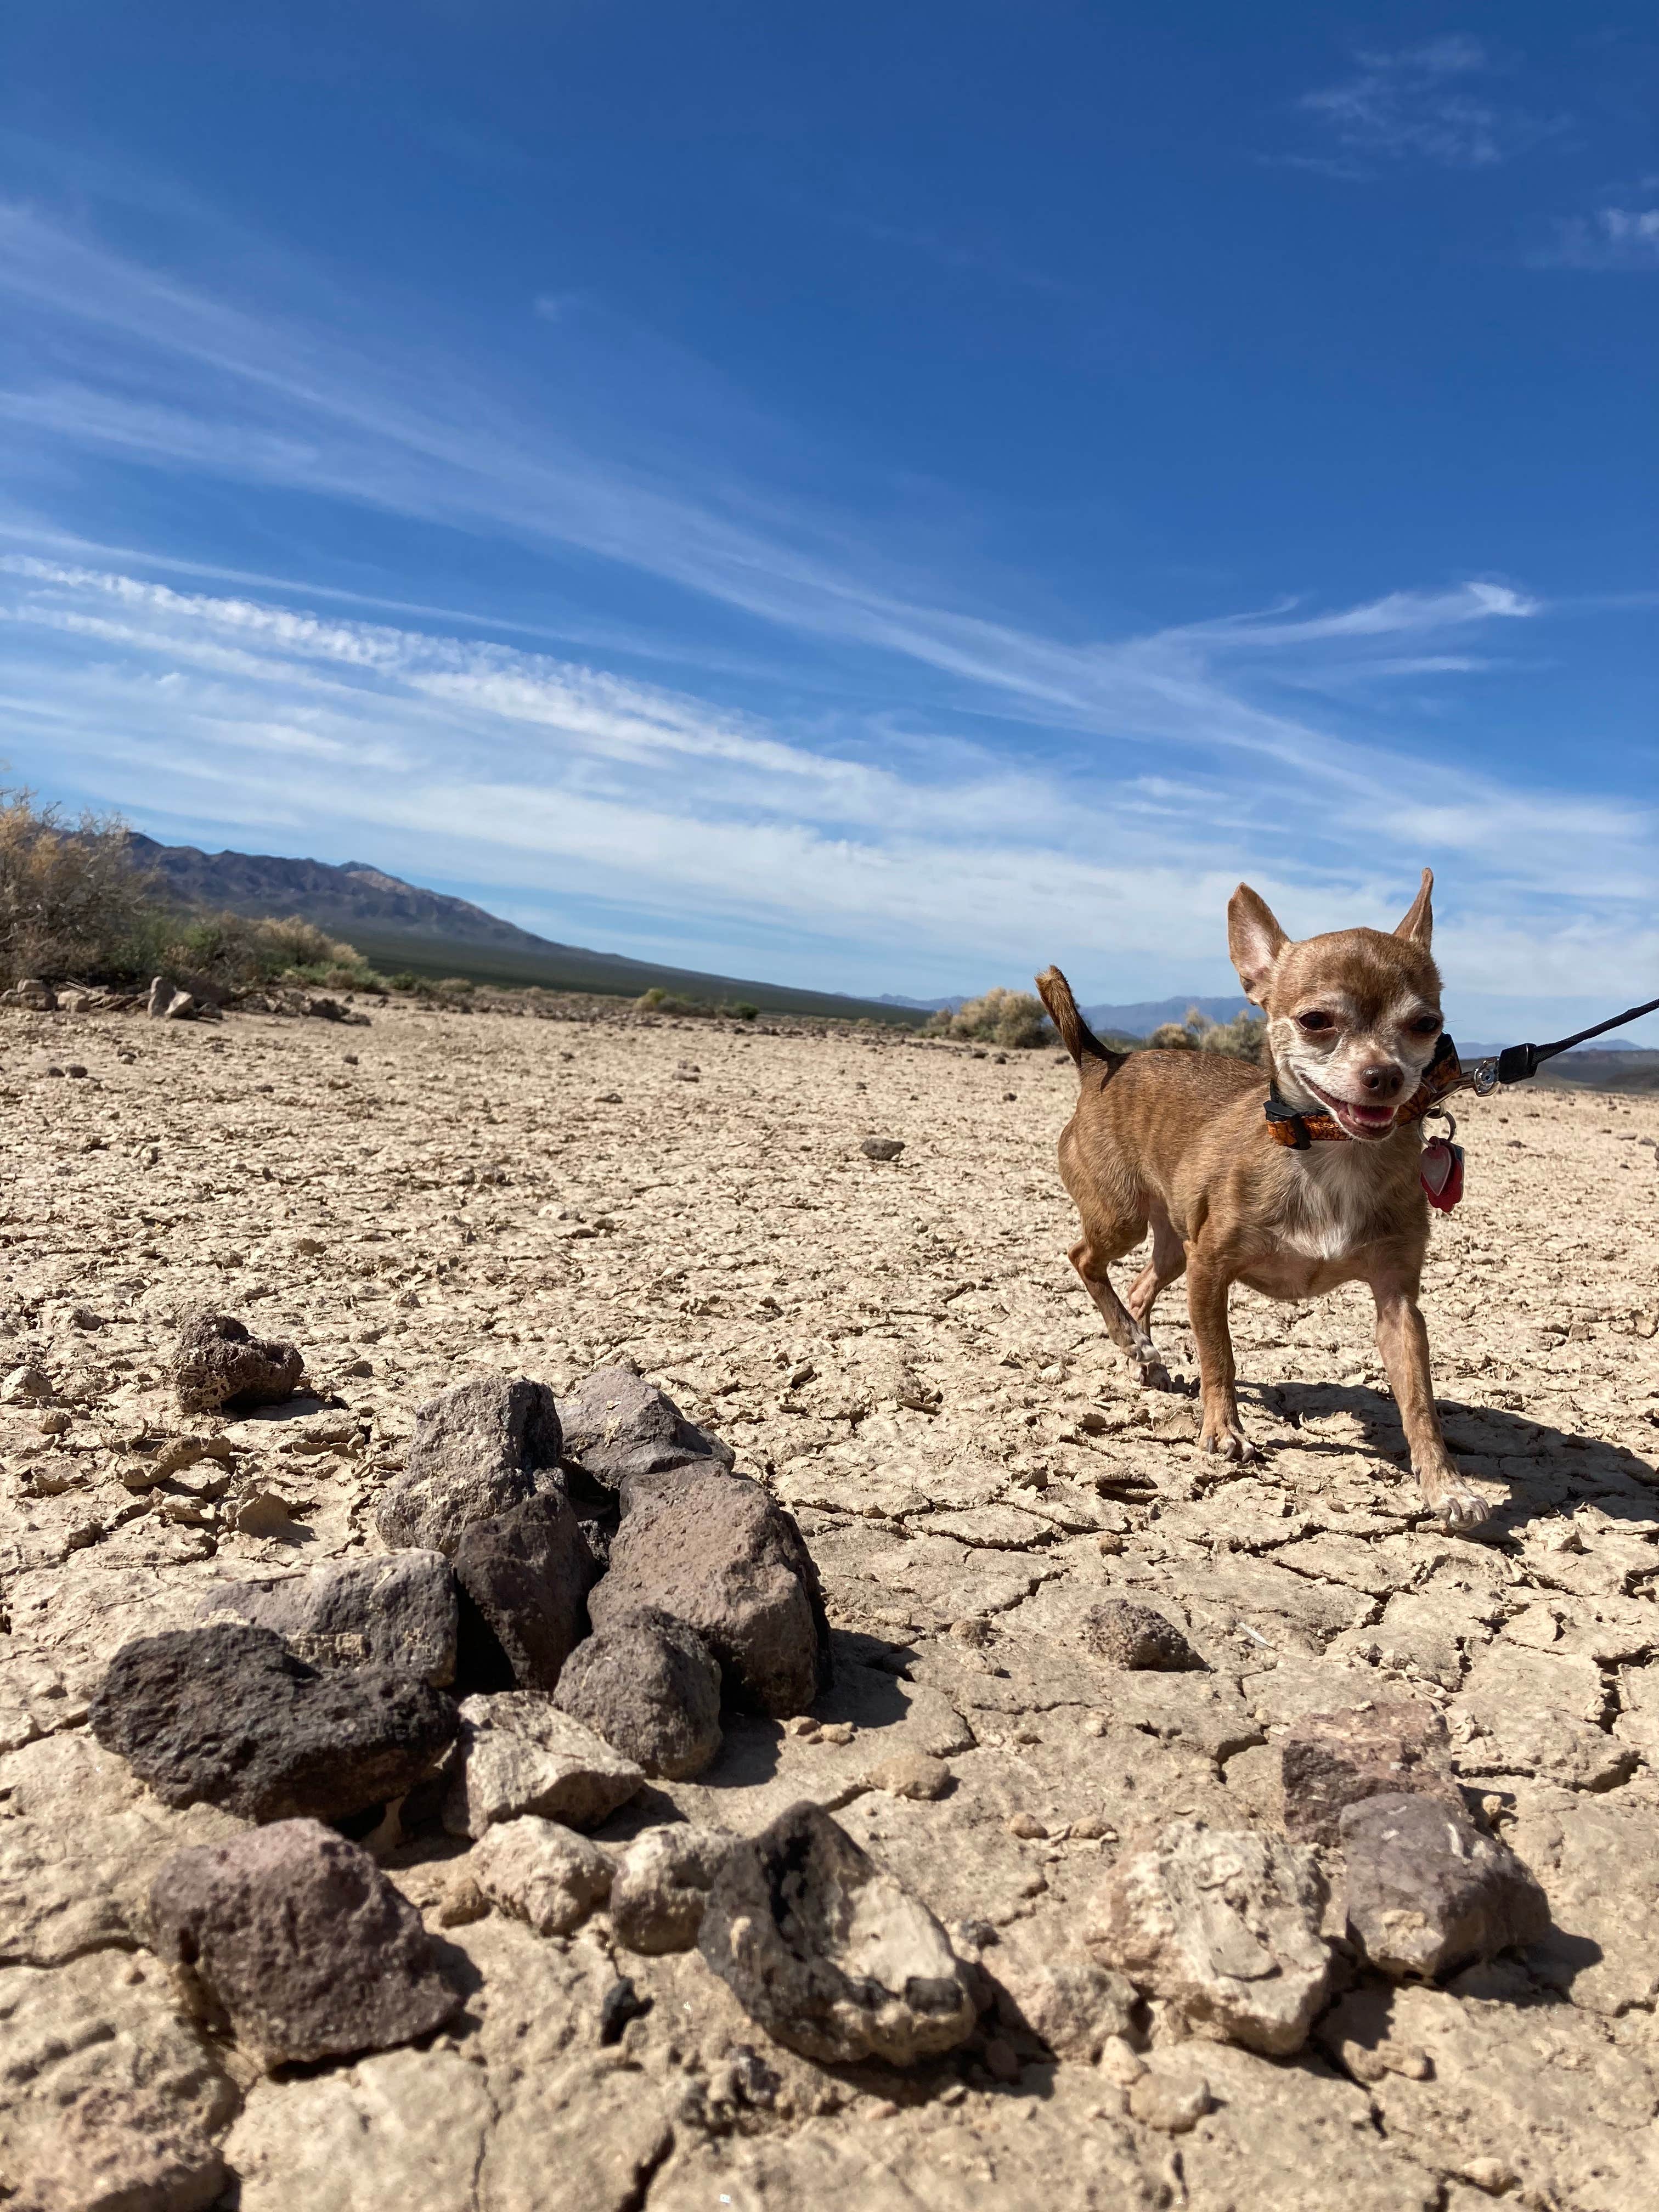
(1612, 237)
(1432, 103)
(1015, 793)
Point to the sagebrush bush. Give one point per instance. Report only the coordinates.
(1013, 1020)
(74, 903)
(1242, 1038)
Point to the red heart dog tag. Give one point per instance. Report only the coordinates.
(1442, 1173)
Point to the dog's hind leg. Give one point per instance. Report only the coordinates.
(1091, 1259)
(1167, 1264)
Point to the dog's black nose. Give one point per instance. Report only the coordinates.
(1383, 1079)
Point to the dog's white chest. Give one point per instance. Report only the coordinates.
(1331, 1208)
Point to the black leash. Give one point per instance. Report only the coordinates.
(1519, 1062)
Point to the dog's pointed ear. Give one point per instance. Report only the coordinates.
(1255, 940)
(1418, 924)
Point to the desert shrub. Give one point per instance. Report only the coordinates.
(656, 1000)
(1013, 1020)
(745, 1013)
(72, 901)
(1242, 1038)
(403, 980)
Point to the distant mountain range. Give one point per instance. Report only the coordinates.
(399, 925)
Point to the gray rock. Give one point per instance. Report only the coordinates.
(517, 1752)
(163, 991)
(1224, 1926)
(397, 1611)
(659, 1891)
(1428, 1892)
(651, 1686)
(217, 1364)
(529, 1572)
(540, 1871)
(882, 1148)
(722, 1556)
(1135, 1636)
(1329, 1761)
(228, 1716)
(618, 1424)
(478, 1451)
(293, 1938)
(829, 1954)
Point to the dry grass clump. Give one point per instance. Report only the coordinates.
(1242, 1038)
(1013, 1020)
(73, 904)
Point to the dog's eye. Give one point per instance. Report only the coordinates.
(1314, 1022)
(1426, 1025)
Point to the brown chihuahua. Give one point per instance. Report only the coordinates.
(1179, 1142)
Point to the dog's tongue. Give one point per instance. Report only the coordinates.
(1371, 1121)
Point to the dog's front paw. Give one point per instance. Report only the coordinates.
(1226, 1438)
(1456, 1503)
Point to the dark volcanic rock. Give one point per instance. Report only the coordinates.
(1135, 1636)
(478, 1451)
(228, 1716)
(1428, 1892)
(1332, 1761)
(217, 1364)
(721, 1555)
(295, 1939)
(829, 1952)
(528, 1572)
(651, 1686)
(398, 1611)
(618, 1424)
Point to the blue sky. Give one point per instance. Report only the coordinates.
(877, 497)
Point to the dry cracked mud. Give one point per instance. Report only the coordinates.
(899, 1351)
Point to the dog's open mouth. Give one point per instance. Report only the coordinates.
(1354, 1120)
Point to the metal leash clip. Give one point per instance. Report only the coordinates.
(1483, 1078)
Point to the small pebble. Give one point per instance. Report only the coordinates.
(1026, 1825)
(1162, 2101)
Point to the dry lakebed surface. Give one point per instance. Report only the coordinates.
(1134, 1925)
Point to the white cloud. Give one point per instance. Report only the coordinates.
(1612, 237)
(1417, 104)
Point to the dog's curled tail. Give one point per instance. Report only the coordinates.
(1075, 1034)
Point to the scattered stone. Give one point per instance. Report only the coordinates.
(218, 1365)
(398, 1611)
(1136, 1635)
(528, 1572)
(462, 1901)
(542, 1872)
(1069, 2003)
(25, 1386)
(1224, 1926)
(1428, 1892)
(293, 1938)
(260, 1512)
(829, 1954)
(34, 993)
(182, 1007)
(721, 1555)
(517, 1752)
(86, 1317)
(162, 991)
(229, 1715)
(912, 1774)
(661, 1887)
(478, 1451)
(1171, 2102)
(618, 1424)
(650, 1686)
(1332, 1761)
